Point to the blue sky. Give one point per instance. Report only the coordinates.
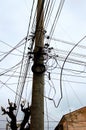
(14, 20)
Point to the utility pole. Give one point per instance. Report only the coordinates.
(38, 68)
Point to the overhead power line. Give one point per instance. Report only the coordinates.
(66, 42)
(56, 19)
(24, 67)
(48, 11)
(61, 74)
(18, 45)
(10, 69)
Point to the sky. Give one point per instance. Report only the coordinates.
(69, 30)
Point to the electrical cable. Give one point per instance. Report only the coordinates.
(23, 68)
(9, 88)
(30, 20)
(73, 61)
(73, 54)
(51, 7)
(3, 53)
(7, 70)
(56, 19)
(66, 42)
(67, 99)
(9, 45)
(46, 8)
(74, 71)
(18, 45)
(20, 86)
(76, 94)
(10, 77)
(64, 64)
(51, 86)
(71, 75)
(61, 74)
(51, 99)
(16, 75)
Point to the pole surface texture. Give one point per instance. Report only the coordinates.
(37, 109)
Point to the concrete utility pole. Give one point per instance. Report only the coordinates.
(37, 109)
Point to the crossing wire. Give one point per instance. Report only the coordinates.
(18, 45)
(24, 68)
(66, 42)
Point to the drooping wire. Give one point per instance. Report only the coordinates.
(64, 64)
(61, 94)
(51, 87)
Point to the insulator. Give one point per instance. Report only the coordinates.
(46, 45)
(48, 37)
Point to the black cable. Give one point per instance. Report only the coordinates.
(46, 8)
(51, 7)
(22, 77)
(21, 86)
(56, 18)
(30, 20)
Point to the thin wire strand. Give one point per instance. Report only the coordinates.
(9, 45)
(49, 13)
(56, 19)
(10, 69)
(18, 45)
(66, 42)
(25, 70)
(9, 88)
